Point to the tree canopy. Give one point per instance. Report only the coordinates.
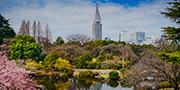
(5, 30)
(172, 12)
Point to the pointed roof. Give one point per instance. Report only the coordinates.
(97, 16)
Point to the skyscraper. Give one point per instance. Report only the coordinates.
(138, 37)
(96, 25)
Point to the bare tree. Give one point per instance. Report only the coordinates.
(48, 36)
(151, 70)
(28, 28)
(78, 37)
(34, 30)
(22, 30)
(39, 32)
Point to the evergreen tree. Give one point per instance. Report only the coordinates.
(172, 12)
(5, 30)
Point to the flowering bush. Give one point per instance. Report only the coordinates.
(13, 77)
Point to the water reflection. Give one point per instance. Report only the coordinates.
(71, 83)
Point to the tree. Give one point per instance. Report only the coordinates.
(24, 47)
(59, 41)
(23, 30)
(48, 36)
(50, 60)
(78, 37)
(172, 12)
(81, 61)
(13, 77)
(34, 30)
(5, 30)
(39, 33)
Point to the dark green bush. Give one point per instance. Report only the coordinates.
(91, 66)
(113, 75)
(81, 74)
(81, 62)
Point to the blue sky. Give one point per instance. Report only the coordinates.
(66, 17)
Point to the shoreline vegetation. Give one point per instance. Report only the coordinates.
(32, 52)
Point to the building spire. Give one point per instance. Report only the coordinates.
(97, 16)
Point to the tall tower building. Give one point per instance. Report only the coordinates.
(96, 25)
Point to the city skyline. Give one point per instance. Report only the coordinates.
(75, 16)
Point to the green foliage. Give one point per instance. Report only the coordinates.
(81, 62)
(5, 30)
(50, 60)
(24, 47)
(81, 74)
(87, 73)
(165, 84)
(101, 57)
(113, 75)
(59, 41)
(91, 66)
(172, 58)
(172, 12)
(98, 65)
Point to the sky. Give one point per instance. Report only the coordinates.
(66, 17)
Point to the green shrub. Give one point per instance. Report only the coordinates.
(87, 73)
(51, 59)
(70, 72)
(113, 75)
(91, 66)
(98, 65)
(81, 74)
(24, 47)
(165, 84)
(101, 57)
(81, 62)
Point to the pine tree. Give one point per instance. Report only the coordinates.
(172, 12)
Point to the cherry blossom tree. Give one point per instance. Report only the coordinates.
(13, 77)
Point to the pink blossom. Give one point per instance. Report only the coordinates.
(13, 77)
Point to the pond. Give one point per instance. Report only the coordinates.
(72, 83)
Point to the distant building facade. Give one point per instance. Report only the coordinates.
(138, 37)
(150, 40)
(96, 25)
(124, 36)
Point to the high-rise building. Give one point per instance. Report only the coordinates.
(124, 36)
(96, 25)
(138, 37)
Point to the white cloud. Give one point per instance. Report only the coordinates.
(75, 16)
